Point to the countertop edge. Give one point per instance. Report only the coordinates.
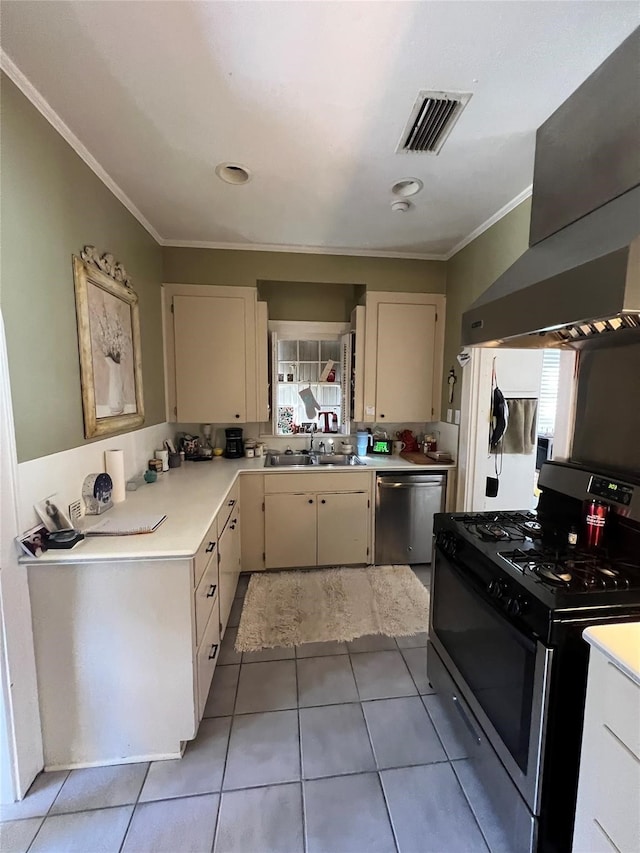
(620, 642)
(214, 480)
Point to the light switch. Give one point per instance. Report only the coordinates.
(457, 416)
(449, 415)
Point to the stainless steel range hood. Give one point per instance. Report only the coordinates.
(579, 282)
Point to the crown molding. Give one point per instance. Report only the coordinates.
(497, 216)
(29, 91)
(301, 250)
(33, 95)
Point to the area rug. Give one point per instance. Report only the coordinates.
(292, 607)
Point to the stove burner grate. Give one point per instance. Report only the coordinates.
(582, 571)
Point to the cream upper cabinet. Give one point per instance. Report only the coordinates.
(404, 341)
(343, 528)
(215, 341)
(290, 530)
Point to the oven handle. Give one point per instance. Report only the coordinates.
(524, 638)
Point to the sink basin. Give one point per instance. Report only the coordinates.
(338, 459)
(304, 460)
(298, 460)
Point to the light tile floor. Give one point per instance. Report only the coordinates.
(326, 748)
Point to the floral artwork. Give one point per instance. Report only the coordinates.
(109, 345)
(285, 420)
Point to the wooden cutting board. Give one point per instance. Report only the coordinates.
(418, 458)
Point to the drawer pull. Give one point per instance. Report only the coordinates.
(234, 521)
(231, 503)
(323, 501)
(310, 501)
(212, 591)
(214, 651)
(210, 547)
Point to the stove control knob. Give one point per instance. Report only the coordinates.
(517, 605)
(497, 589)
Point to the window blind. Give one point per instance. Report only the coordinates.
(548, 391)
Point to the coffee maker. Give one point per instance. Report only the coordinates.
(234, 448)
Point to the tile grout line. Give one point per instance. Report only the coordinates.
(375, 757)
(301, 782)
(48, 810)
(471, 809)
(135, 806)
(226, 754)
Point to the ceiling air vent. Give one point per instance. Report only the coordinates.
(431, 121)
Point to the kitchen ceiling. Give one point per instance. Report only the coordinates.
(312, 97)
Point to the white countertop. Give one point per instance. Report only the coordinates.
(620, 643)
(191, 497)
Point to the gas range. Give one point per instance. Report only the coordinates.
(512, 548)
(511, 594)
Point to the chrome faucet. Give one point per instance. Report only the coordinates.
(311, 443)
(321, 447)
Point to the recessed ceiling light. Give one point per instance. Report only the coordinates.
(233, 173)
(400, 206)
(407, 187)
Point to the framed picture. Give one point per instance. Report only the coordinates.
(109, 346)
(52, 515)
(34, 542)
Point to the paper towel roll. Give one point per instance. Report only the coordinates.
(114, 464)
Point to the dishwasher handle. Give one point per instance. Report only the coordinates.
(385, 484)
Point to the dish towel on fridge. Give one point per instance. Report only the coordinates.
(520, 436)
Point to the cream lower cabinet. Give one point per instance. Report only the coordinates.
(126, 649)
(290, 530)
(229, 563)
(608, 805)
(326, 521)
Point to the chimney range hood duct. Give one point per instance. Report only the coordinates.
(579, 281)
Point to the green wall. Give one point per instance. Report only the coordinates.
(246, 269)
(320, 303)
(52, 205)
(470, 271)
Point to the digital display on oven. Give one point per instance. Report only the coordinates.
(612, 491)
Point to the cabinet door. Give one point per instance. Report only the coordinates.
(210, 358)
(290, 530)
(229, 565)
(343, 529)
(405, 362)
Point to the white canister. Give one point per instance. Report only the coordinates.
(249, 452)
(163, 456)
(260, 448)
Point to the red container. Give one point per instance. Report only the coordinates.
(595, 523)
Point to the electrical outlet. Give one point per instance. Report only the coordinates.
(449, 415)
(75, 512)
(456, 417)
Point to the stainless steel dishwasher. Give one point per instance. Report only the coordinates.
(405, 506)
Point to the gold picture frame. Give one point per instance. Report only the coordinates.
(109, 349)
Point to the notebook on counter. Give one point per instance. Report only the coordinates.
(125, 526)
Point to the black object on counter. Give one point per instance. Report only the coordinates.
(234, 448)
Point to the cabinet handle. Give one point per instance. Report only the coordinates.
(323, 501)
(310, 501)
(210, 547)
(234, 520)
(212, 591)
(214, 651)
(381, 416)
(232, 503)
(237, 416)
(232, 527)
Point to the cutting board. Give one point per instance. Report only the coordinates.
(419, 458)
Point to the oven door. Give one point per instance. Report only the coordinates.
(502, 673)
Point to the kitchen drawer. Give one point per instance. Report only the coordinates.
(617, 812)
(622, 707)
(206, 659)
(317, 482)
(205, 552)
(206, 597)
(227, 508)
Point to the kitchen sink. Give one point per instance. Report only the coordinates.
(304, 460)
(299, 460)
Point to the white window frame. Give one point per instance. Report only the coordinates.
(301, 330)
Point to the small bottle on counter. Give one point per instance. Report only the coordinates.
(572, 537)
